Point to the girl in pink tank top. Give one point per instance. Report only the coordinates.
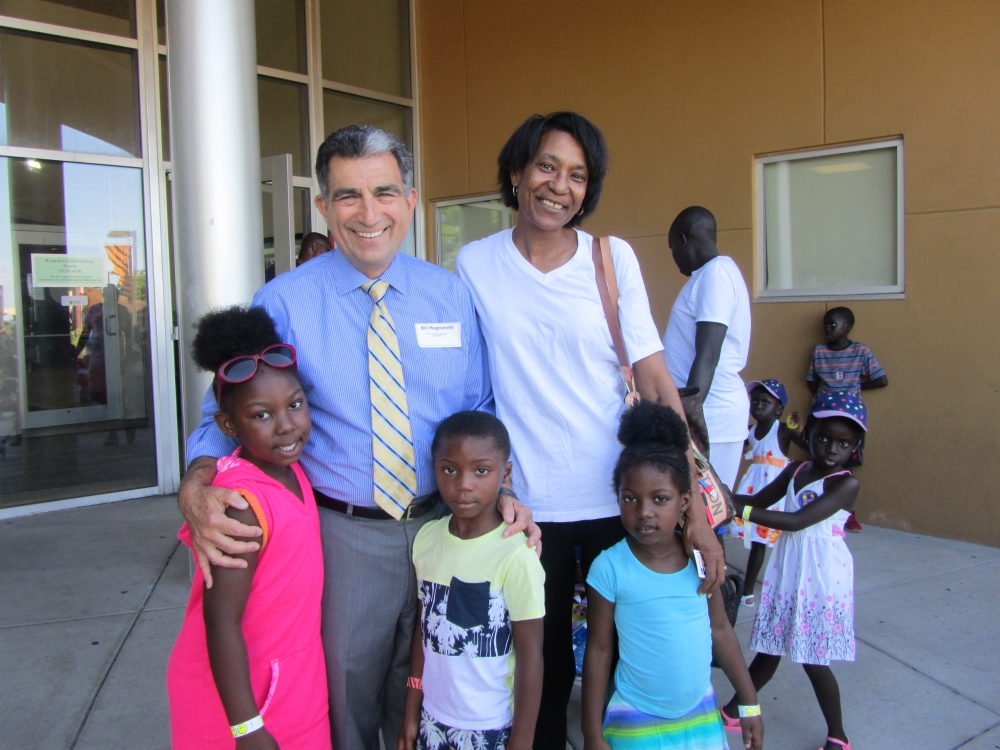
(247, 670)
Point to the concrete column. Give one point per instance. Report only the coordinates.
(215, 147)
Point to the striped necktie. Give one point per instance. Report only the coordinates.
(394, 467)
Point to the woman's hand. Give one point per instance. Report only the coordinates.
(698, 535)
(204, 508)
(518, 516)
(753, 732)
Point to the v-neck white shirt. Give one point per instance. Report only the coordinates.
(554, 369)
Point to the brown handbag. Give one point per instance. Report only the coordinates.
(607, 287)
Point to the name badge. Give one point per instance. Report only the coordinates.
(439, 335)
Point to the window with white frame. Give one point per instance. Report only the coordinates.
(460, 221)
(830, 223)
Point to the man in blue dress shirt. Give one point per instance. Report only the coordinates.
(368, 514)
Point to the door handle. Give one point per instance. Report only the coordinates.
(111, 325)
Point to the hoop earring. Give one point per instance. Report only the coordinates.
(580, 212)
(514, 188)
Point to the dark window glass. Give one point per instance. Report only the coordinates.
(164, 109)
(367, 44)
(340, 110)
(281, 34)
(68, 96)
(284, 121)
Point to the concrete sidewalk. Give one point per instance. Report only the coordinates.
(92, 600)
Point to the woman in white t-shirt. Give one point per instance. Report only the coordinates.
(555, 373)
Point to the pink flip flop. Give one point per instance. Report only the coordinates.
(731, 725)
(835, 741)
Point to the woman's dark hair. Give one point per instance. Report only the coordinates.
(655, 435)
(231, 332)
(522, 146)
(473, 424)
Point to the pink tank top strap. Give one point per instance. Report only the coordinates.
(799, 468)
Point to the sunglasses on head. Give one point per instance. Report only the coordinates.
(243, 368)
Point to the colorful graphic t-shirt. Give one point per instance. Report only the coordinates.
(842, 370)
(470, 592)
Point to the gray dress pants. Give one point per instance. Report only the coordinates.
(369, 611)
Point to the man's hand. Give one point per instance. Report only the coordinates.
(204, 508)
(518, 516)
(698, 535)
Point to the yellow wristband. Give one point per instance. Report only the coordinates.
(746, 512)
(747, 711)
(246, 727)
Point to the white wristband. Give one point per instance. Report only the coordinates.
(747, 711)
(248, 726)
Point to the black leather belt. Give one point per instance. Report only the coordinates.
(420, 506)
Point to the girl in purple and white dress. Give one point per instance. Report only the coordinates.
(807, 603)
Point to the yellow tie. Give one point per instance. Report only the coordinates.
(394, 466)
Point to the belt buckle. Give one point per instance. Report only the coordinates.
(350, 509)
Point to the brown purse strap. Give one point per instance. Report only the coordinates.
(607, 287)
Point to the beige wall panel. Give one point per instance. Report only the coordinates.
(936, 428)
(441, 51)
(928, 70)
(443, 98)
(685, 92)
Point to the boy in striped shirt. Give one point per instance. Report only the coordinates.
(844, 365)
(840, 364)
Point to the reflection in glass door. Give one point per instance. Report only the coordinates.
(75, 386)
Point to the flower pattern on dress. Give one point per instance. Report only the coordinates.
(806, 607)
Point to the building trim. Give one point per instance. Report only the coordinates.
(80, 35)
(346, 88)
(22, 152)
(19, 511)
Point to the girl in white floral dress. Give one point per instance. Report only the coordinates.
(807, 603)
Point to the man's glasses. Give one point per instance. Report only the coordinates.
(243, 368)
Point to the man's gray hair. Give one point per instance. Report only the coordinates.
(362, 142)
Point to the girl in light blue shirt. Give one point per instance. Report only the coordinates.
(646, 588)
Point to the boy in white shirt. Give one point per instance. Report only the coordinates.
(482, 601)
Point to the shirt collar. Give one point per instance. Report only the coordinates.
(348, 278)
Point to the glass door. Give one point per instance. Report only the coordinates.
(75, 410)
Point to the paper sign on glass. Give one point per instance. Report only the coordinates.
(48, 269)
(439, 335)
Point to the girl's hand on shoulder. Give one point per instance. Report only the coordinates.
(259, 740)
(753, 732)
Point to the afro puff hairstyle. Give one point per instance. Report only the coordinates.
(231, 332)
(654, 435)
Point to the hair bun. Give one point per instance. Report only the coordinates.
(649, 422)
(231, 332)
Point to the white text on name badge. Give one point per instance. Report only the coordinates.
(439, 335)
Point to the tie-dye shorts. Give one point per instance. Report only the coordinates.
(625, 728)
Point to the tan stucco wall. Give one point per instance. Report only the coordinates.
(686, 94)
